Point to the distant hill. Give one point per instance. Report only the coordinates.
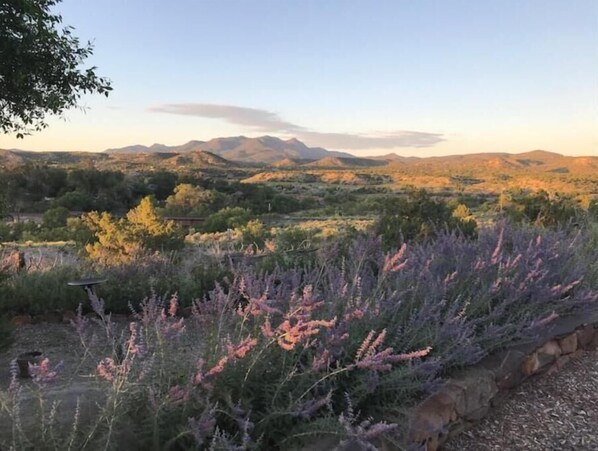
(15, 157)
(340, 162)
(265, 149)
(291, 162)
(199, 159)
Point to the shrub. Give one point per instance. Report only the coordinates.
(419, 217)
(541, 209)
(227, 218)
(55, 217)
(130, 238)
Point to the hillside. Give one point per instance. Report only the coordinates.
(341, 163)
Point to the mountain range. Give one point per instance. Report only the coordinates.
(265, 149)
(292, 154)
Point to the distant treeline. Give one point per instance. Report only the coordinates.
(39, 188)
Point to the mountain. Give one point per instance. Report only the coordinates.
(265, 149)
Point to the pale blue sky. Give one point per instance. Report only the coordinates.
(411, 77)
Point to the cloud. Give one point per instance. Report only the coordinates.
(267, 121)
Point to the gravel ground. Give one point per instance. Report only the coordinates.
(547, 412)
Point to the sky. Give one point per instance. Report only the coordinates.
(421, 78)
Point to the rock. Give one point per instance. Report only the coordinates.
(551, 348)
(21, 320)
(531, 365)
(509, 374)
(430, 418)
(585, 335)
(568, 344)
(478, 388)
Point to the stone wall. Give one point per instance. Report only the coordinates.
(467, 397)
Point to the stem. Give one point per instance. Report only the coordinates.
(322, 379)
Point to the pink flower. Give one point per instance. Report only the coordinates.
(42, 373)
(173, 306)
(107, 369)
(393, 263)
(178, 394)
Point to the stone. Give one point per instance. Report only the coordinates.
(568, 344)
(431, 417)
(531, 365)
(551, 348)
(508, 374)
(21, 320)
(479, 387)
(585, 335)
(544, 356)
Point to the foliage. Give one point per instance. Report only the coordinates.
(540, 208)
(40, 292)
(227, 218)
(124, 240)
(419, 217)
(254, 234)
(40, 69)
(55, 217)
(188, 200)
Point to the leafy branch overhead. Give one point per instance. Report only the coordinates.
(40, 66)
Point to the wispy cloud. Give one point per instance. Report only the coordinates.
(267, 121)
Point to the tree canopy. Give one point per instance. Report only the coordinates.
(40, 66)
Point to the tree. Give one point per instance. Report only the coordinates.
(40, 66)
(55, 217)
(418, 218)
(141, 232)
(188, 200)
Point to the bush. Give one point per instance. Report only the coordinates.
(55, 217)
(40, 292)
(130, 238)
(542, 210)
(419, 218)
(227, 218)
